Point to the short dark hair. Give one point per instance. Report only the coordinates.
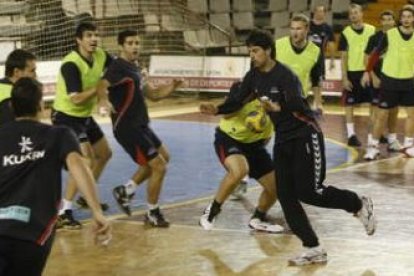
(17, 59)
(262, 39)
(124, 34)
(26, 96)
(83, 27)
(387, 13)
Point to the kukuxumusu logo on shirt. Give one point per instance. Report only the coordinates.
(25, 144)
(27, 153)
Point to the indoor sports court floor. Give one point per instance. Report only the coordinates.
(231, 248)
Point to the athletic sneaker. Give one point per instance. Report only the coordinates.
(383, 140)
(408, 152)
(240, 190)
(372, 153)
(314, 255)
(264, 226)
(205, 220)
(81, 202)
(366, 215)
(156, 218)
(394, 146)
(353, 141)
(123, 199)
(66, 221)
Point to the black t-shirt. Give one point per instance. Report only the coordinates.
(6, 113)
(317, 70)
(280, 85)
(343, 43)
(32, 155)
(321, 34)
(72, 76)
(389, 83)
(126, 94)
(373, 43)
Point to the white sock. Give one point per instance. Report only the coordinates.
(408, 142)
(152, 206)
(374, 143)
(392, 137)
(66, 205)
(350, 129)
(369, 139)
(130, 187)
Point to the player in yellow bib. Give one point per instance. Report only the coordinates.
(303, 57)
(396, 81)
(241, 150)
(76, 97)
(352, 43)
(19, 64)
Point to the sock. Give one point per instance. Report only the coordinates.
(66, 205)
(259, 214)
(369, 139)
(214, 211)
(408, 142)
(152, 206)
(392, 137)
(130, 187)
(350, 129)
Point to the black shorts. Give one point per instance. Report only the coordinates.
(18, 257)
(358, 94)
(376, 95)
(140, 142)
(86, 129)
(259, 160)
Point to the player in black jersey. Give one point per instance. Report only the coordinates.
(131, 128)
(299, 153)
(321, 33)
(32, 155)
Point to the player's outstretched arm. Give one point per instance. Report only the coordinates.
(158, 93)
(86, 185)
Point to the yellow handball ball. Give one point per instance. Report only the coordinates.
(256, 121)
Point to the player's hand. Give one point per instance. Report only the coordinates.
(346, 84)
(365, 80)
(376, 82)
(208, 108)
(102, 229)
(178, 83)
(268, 105)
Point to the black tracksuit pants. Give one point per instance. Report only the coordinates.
(300, 171)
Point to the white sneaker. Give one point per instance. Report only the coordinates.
(204, 222)
(372, 153)
(408, 152)
(366, 215)
(240, 190)
(394, 146)
(263, 226)
(314, 255)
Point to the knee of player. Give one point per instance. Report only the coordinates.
(238, 171)
(158, 164)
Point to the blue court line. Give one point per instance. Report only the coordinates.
(194, 170)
